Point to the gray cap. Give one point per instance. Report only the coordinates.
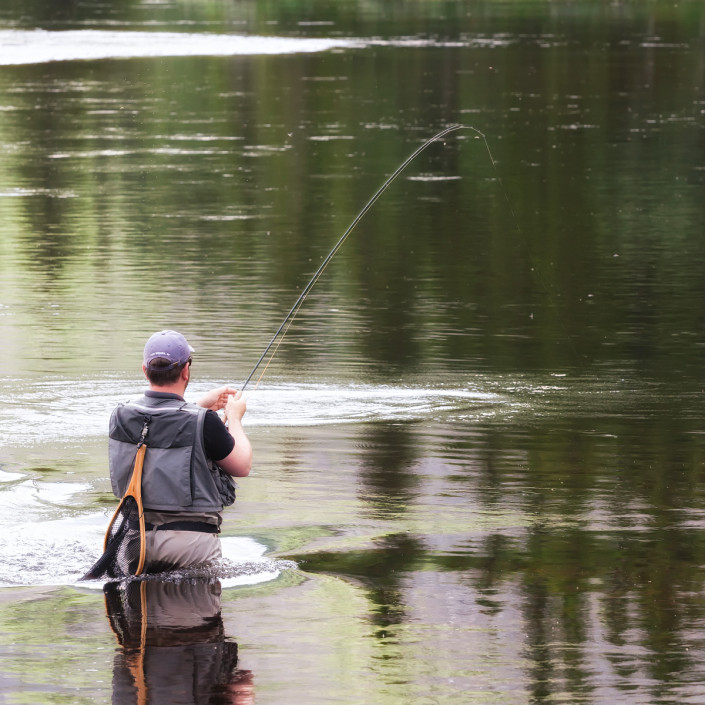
(167, 345)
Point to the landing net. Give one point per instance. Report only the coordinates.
(121, 556)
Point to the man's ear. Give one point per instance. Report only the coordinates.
(144, 370)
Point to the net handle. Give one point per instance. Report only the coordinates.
(134, 489)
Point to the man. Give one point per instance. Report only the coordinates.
(191, 455)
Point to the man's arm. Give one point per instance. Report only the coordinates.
(239, 462)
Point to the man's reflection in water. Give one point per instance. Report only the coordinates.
(173, 645)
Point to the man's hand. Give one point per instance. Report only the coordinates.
(216, 399)
(239, 462)
(235, 407)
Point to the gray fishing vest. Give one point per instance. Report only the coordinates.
(177, 475)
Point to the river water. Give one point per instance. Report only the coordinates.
(479, 458)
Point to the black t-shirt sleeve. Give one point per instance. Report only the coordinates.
(217, 440)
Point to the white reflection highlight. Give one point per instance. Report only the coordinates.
(40, 46)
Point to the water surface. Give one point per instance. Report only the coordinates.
(479, 460)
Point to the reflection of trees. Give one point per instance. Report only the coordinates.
(603, 583)
(227, 168)
(388, 481)
(623, 570)
(629, 604)
(382, 570)
(633, 592)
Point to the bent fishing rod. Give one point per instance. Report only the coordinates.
(288, 320)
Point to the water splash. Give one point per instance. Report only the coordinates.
(46, 540)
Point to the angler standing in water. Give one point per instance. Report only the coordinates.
(171, 462)
(191, 456)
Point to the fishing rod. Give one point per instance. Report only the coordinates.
(288, 320)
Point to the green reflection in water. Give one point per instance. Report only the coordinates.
(550, 554)
(221, 179)
(51, 633)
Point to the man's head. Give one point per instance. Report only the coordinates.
(166, 355)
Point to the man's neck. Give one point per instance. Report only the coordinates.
(177, 389)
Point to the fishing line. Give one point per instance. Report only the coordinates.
(288, 320)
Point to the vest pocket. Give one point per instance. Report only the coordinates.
(120, 468)
(224, 483)
(166, 478)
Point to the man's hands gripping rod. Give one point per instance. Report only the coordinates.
(239, 462)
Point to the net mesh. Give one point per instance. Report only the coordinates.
(122, 547)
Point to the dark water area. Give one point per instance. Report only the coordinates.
(478, 450)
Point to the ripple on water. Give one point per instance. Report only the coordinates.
(73, 410)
